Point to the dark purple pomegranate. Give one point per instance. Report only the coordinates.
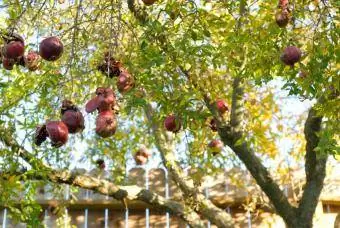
(172, 123)
(14, 50)
(51, 48)
(291, 55)
(106, 124)
(213, 124)
(72, 117)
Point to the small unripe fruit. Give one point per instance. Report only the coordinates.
(291, 55)
(215, 146)
(149, 2)
(32, 60)
(221, 106)
(106, 124)
(172, 123)
(57, 132)
(51, 48)
(14, 50)
(282, 19)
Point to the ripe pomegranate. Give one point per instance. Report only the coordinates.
(172, 123)
(282, 19)
(125, 82)
(8, 63)
(57, 132)
(213, 124)
(104, 100)
(106, 124)
(40, 135)
(32, 60)
(72, 117)
(149, 2)
(215, 146)
(14, 49)
(291, 55)
(221, 106)
(51, 48)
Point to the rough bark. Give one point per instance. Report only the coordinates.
(315, 168)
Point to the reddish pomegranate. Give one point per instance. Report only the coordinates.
(51, 48)
(57, 132)
(8, 63)
(149, 2)
(40, 135)
(72, 117)
(282, 18)
(14, 49)
(104, 100)
(125, 82)
(106, 124)
(32, 60)
(221, 106)
(215, 146)
(172, 123)
(291, 55)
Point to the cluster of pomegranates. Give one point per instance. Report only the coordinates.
(114, 68)
(173, 124)
(13, 52)
(105, 102)
(72, 121)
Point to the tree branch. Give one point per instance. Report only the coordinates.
(101, 186)
(202, 205)
(315, 168)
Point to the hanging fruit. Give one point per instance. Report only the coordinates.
(172, 123)
(32, 60)
(104, 100)
(106, 124)
(72, 117)
(125, 82)
(51, 48)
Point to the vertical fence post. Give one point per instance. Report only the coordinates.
(67, 197)
(4, 221)
(167, 192)
(147, 211)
